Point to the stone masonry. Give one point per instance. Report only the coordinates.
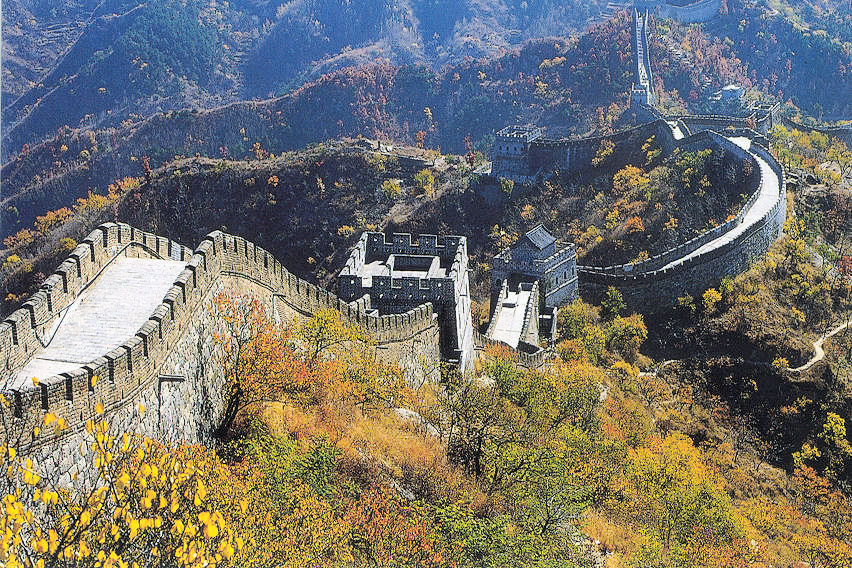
(398, 272)
(163, 380)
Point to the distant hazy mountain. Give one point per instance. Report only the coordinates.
(98, 63)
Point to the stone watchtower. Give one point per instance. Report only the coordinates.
(398, 272)
(511, 153)
(535, 272)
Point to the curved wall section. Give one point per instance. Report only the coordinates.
(169, 366)
(732, 249)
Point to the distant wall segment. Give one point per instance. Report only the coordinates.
(726, 250)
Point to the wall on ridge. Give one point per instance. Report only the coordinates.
(22, 332)
(573, 156)
(175, 340)
(655, 289)
(693, 12)
(844, 133)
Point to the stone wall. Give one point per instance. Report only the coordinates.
(759, 120)
(844, 133)
(692, 12)
(535, 360)
(449, 295)
(643, 89)
(574, 156)
(22, 332)
(175, 340)
(649, 287)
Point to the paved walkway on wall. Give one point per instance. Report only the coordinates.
(103, 316)
(770, 190)
(510, 318)
(819, 354)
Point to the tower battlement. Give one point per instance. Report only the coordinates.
(396, 273)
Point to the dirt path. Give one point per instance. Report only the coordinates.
(819, 354)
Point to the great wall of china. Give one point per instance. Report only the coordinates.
(725, 250)
(167, 366)
(125, 320)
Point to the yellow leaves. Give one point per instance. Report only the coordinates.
(226, 550)
(35, 381)
(209, 524)
(49, 418)
(49, 497)
(201, 492)
(147, 500)
(99, 408)
(141, 408)
(29, 476)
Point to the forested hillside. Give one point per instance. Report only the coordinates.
(557, 82)
(707, 431)
(120, 60)
(764, 50)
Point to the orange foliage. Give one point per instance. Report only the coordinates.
(387, 531)
(44, 223)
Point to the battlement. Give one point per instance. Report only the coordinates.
(423, 263)
(536, 358)
(119, 377)
(399, 271)
(23, 332)
(519, 133)
(504, 260)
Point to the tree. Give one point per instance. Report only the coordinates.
(830, 451)
(710, 301)
(630, 179)
(146, 169)
(613, 304)
(678, 496)
(425, 181)
(626, 335)
(392, 189)
(386, 530)
(572, 319)
(692, 168)
(603, 152)
(258, 359)
(342, 362)
(142, 504)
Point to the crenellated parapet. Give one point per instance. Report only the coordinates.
(132, 372)
(533, 360)
(24, 331)
(400, 271)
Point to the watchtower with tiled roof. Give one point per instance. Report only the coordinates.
(537, 258)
